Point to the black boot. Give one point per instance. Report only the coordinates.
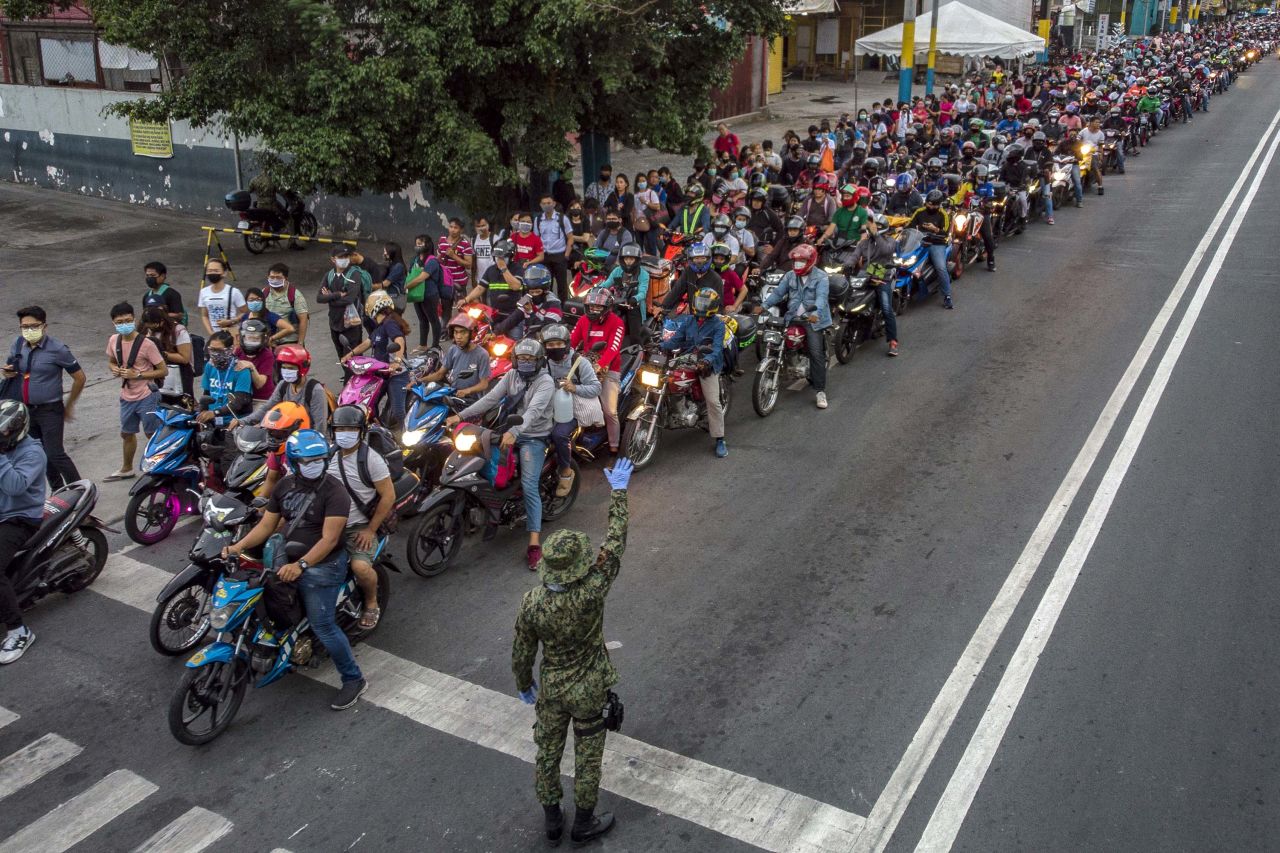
(588, 827)
(553, 821)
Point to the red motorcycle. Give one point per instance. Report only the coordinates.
(671, 399)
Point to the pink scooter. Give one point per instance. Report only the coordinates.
(365, 387)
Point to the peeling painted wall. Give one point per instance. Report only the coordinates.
(59, 138)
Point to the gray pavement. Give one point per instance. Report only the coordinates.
(790, 613)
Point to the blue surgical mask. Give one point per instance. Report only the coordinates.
(642, 185)
(526, 368)
(255, 305)
(126, 328)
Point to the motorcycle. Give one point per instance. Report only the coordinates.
(67, 552)
(1110, 160)
(247, 472)
(425, 438)
(1062, 189)
(966, 234)
(172, 474)
(254, 221)
(472, 497)
(786, 349)
(672, 400)
(247, 646)
(916, 277)
(366, 386)
(500, 353)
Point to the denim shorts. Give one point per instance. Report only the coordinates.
(140, 415)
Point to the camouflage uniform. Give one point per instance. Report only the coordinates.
(566, 614)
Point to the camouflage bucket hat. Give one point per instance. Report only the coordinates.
(566, 557)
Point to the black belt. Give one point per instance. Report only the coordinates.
(34, 406)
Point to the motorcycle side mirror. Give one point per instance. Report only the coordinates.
(259, 502)
(345, 341)
(598, 346)
(512, 421)
(705, 348)
(393, 348)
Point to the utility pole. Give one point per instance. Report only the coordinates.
(933, 47)
(1043, 29)
(907, 67)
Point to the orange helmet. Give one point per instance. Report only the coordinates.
(284, 419)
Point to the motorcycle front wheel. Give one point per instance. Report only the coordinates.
(152, 514)
(764, 389)
(851, 336)
(434, 540)
(181, 621)
(640, 442)
(307, 225)
(94, 558)
(206, 701)
(552, 506)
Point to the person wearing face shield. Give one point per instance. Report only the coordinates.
(366, 478)
(697, 275)
(538, 307)
(722, 232)
(702, 331)
(791, 236)
(527, 391)
(806, 288)
(905, 199)
(314, 509)
(253, 351)
(630, 281)
(574, 375)
(765, 223)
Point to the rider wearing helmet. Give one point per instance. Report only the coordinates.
(722, 232)
(254, 352)
(465, 365)
(818, 208)
(365, 477)
(806, 288)
(849, 220)
(812, 172)
(629, 280)
(498, 286)
(933, 179)
(536, 308)
(603, 325)
(22, 494)
(697, 275)
(1010, 123)
(792, 235)
(905, 199)
(575, 374)
(703, 327)
(935, 222)
(695, 219)
(765, 223)
(742, 233)
(314, 508)
(281, 421)
(735, 292)
(877, 249)
(388, 343)
(532, 388)
(293, 363)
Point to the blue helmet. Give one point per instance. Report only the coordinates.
(306, 445)
(699, 257)
(537, 277)
(904, 183)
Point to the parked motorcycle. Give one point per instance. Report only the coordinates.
(672, 399)
(67, 552)
(259, 221)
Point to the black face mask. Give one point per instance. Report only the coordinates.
(558, 354)
(152, 281)
(613, 226)
(538, 299)
(213, 277)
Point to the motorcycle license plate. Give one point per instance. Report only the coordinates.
(242, 225)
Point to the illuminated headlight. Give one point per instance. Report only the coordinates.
(902, 262)
(152, 462)
(1086, 148)
(465, 442)
(499, 350)
(650, 378)
(412, 437)
(220, 616)
(833, 270)
(475, 313)
(1059, 175)
(961, 221)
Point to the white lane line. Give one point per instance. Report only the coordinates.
(195, 830)
(81, 816)
(950, 812)
(883, 820)
(34, 760)
(730, 803)
(7, 717)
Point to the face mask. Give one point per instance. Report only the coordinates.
(126, 328)
(32, 336)
(526, 227)
(547, 208)
(614, 226)
(798, 266)
(311, 470)
(539, 298)
(289, 374)
(642, 185)
(346, 440)
(276, 283)
(577, 211)
(221, 358)
(733, 176)
(526, 368)
(604, 176)
(213, 277)
(152, 281)
(558, 354)
(342, 263)
(720, 230)
(662, 179)
(256, 305)
(741, 223)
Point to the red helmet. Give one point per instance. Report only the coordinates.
(803, 258)
(822, 184)
(296, 356)
(462, 321)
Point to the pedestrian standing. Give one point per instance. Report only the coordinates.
(393, 278)
(220, 303)
(482, 244)
(565, 614)
(287, 301)
(423, 289)
(343, 290)
(161, 294)
(458, 258)
(33, 374)
(554, 230)
(136, 361)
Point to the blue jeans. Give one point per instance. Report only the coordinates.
(817, 342)
(1047, 195)
(938, 257)
(886, 307)
(533, 453)
(1076, 183)
(396, 385)
(319, 587)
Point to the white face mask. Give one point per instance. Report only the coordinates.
(311, 470)
(342, 263)
(798, 266)
(346, 440)
(289, 374)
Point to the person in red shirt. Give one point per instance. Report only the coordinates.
(727, 143)
(735, 292)
(529, 249)
(601, 324)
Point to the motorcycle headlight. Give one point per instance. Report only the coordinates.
(465, 442)
(152, 462)
(835, 269)
(1059, 175)
(961, 220)
(412, 437)
(220, 616)
(650, 378)
(1086, 148)
(499, 350)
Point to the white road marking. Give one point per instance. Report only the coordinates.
(7, 717)
(81, 816)
(730, 803)
(950, 812)
(33, 761)
(883, 820)
(195, 830)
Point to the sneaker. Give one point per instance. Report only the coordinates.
(348, 694)
(1079, 202)
(1099, 190)
(822, 399)
(991, 267)
(948, 304)
(722, 449)
(1049, 220)
(16, 642)
(533, 556)
(893, 348)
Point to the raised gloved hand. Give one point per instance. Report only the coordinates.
(529, 696)
(620, 474)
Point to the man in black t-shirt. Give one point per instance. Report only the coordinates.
(500, 286)
(159, 294)
(314, 508)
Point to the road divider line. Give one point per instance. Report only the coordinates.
(953, 807)
(892, 803)
(735, 805)
(36, 759)
(7, 717)
(192, 832)
(81, 816)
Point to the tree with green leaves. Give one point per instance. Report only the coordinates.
(377, 94)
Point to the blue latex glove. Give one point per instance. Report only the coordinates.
(529, 696)
(620, 474)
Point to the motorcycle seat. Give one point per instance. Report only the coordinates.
(746, 326)
(838, 289)
(56, 506)
(405, 485)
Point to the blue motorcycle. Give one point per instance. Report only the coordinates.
(916, 278)
(247, 647)
(172, 474)
(425, 439)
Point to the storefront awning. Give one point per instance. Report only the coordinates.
(808, 7)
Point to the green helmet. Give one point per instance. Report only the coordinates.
(595, 258)
(566, 557)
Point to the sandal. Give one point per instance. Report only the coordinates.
(566, 484)
(369, 618)
(118, 475)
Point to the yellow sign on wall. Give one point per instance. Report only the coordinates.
(151, 138)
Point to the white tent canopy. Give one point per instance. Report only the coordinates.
(962, 31)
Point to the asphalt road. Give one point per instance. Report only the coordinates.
(793, 613)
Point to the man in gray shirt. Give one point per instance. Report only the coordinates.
(554, 230)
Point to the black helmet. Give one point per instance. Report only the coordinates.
(934, 197)
(631, 250)
(796, 222)
(346, 417)
(934, 165)
(1013, 153)
(779, 196)
(721, 224)
(813, 161)
(758, 194)
(872, 166)
(504, 250)
(15, 421)
(253, 336)
(757, 179)
(695, 190)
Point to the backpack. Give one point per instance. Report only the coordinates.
(164, 288)
(133, 354)
(329, 399)
(197, 354)
(291, 293)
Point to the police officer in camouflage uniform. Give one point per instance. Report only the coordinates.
(566, 614)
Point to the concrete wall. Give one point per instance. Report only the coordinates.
(59, 138)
